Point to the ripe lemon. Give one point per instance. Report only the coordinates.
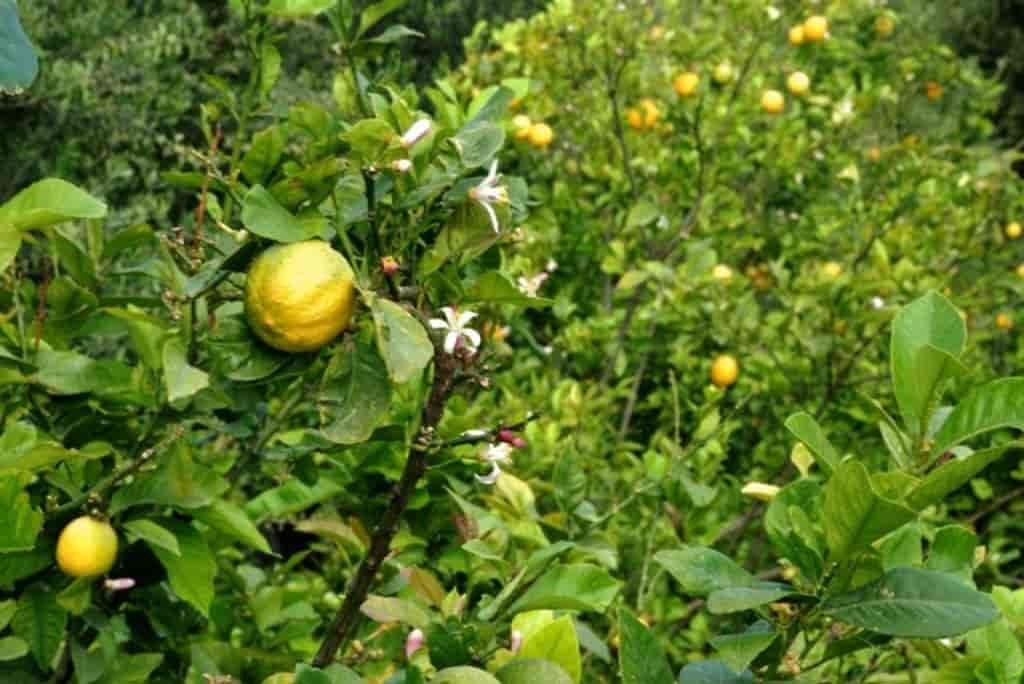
(884, 26)
(832, 269)
(723, 73)
(721, 272)
(933, 91)
(1020, 271)
(1004, 322)
(1013, 230)
(651, 113)
(300, 296)
(773, 102)
(798, 83)
(686, 84)
(635, 118)
(724, 371)
(522, 124)
(796, 35)
(541, 135)
(87, 547)
(874, 154)
(815, 29)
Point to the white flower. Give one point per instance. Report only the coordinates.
(119, 583)
(416, 132)
(456, 323)
(529, 286)
(401, 165)
(843, 111)
(491, 477)
(498, 453)
(760, 491)
(489, 193)
(877, 303)
(773, 12)
(552, 266)
(516, 642)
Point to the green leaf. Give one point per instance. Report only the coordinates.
(153, 534)
(532, 671)
(264, 216)
(793, 526)
(10, 243)
(49, 202)
(739, 650)
(370, 139)
(67, 372)
(556, 643)
(264, 155)
(997, 642)
(41, 623)
(809, 432)
(393, 34)
(357, 396)
(372, 15)
(855, 516)
(291, 497)
(76, 598)
(401, 340)
(7, 609)
(994, 406)
(177, 482)
(641, 658)
(1010, 602)
(133, 668)
(952, 475)
(12, 647)
(467, 234)
(270, 68)
(233, 521)
(929, 322)
(190, 574)
(18, 62)
(902, 548)
(385, 609)
(736, 599)
(570, 587)
(952, 552)
(914, 603)
(701, 571)
(20, 524)
(713, 672)
(642, 214)
(463, 675)
(182, 380)
(478, 143)
(292, 9)
(494, 287)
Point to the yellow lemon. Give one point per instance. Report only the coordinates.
(884, 26)
(773, 102)
(686, 84)
(87, 547)
(721, 272)
(541, 135)
(522, 124)
(933, 90)
(796, 35)
(1004, 322)
(651, 113)
(635, 118)
(724, 370)
(300, 296)
(1020, 271)
(798, 83)
(1013, 230)
(874, 154)
(815, 29)
(723, 73)
(832, 269)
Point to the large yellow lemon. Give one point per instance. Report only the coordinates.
(300, 296)
(86, 547)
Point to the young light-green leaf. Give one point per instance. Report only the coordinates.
(532, 671)
(570, 587)
(556, 643)
(805, 428)
(49, 202)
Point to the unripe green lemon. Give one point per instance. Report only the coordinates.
(86, 547)
(300, 296)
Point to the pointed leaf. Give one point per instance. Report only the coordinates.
(532, 671)
(264, 216)
(20, 524)
(556, 643)
(191, 574)
(854, 515)
(357, 397)
(153, 534)
(736, 599)
(48, 202)
(385, 609)
(807, 430)
(298, 8)
(18, 62)
(739, 650)
(181, 379)
(401, 340)
(41, 622)
(713, 672)
(229, 519)
(994, 406)
(641, 658)
(701, 571)
(570, 587)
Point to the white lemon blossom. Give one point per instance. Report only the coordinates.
(760, 491)
(401, 165)
(416, 132)
(530, 286)
(495, 454)
(457, 325)
(490, 192)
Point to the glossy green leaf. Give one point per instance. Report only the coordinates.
(264, 216)
(929, 322)
(701, 571)
(151, 533)
(952, 552)
(372, 15)
(49, 202)
(20, 523)
(809, 432)
(641, 658)
(264, 154)
(229, 519)
(794, 529)
(494, 287)
(994, 406)
(739, 650)
(12, 648)
(10, 243)
(854, 515)
(67, 372)
(384, 609)
(532, 671)
(463, 675)
(41, 623)
(23, 450)
(298, 8)
(736, 599)
(191, 573)
(914, 603)
(401, 340)
(1000, 646)
(356, 396)
(370, 139)
(570, 587)
(18, 62)
(713, 672)
(181, 379)
(478, 143)
(952, 475)
(556, 643)
(177, 481)
(76, 598)
(291, 497)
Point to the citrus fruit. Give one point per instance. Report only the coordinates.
(86, 547)
(1020, 271)
(884, 26)
(651, 113)
(686, 84)
(796, 35)
(773, 102)
(798, 83)
(723, 73)
(874, 154)
(635, 118)
(1004, 322)
(299, 296)
(724, 370)
(933, 90)
(1013, 230)
(815, 29)
(721, 272)
(832, 269)
(541, 135)
(522, 124)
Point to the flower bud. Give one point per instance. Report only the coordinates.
(416, 132)
(401, 165)
(119, 583)
(516, 641)
(389, 265)
(414, 642)
(760, 491)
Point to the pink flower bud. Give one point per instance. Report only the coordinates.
(414, 642)
(389, 265)
(119, 584)
(506, 435)
(516, 642)
(518, 443)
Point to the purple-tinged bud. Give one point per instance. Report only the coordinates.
(414, 642)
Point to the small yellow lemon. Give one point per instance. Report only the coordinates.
(773, 102)
(874, 154)
(832, 269)
(299, 296)
(87, 547)
(686, 84)
(723, 73)
(933, 91)
(651, 113)
(815, 29)
(635, 118)
(724, 371)
(1020, 271)
(522, 124)
(721, 272)
(796, 35)
(541, 135)
(1013, 230)
(1004, 322)
(798, 83)
(884, 26)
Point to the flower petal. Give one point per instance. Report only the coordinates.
(490, 212)
(450, 340)
(438, 324)
(472, 337)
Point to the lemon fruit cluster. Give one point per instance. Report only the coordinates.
(299, 296)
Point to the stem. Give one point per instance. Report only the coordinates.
(346, 620)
